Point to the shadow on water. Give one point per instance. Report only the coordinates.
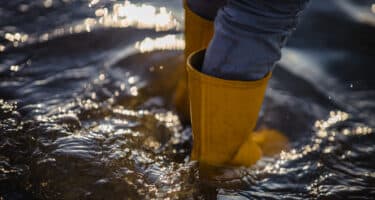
(85, 113)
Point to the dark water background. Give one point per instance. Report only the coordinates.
(85, 108)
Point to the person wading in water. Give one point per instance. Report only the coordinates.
(231, 49)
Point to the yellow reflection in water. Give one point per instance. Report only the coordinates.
(168, 42)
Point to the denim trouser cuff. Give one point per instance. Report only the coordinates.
(249, 35)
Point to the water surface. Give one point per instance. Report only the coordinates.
(85, 109)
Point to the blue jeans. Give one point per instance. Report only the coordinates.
(249, 35)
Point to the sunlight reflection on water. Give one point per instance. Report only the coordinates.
(94, 104)
(120, 15)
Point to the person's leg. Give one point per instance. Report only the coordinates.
(227, 91)
(199, 29)
(249, 36)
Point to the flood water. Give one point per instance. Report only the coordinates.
(85, 111)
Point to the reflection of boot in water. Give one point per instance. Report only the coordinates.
(198, 33)
(269, 141)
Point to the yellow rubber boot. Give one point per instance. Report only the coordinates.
(198, 33)
(223, 115)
